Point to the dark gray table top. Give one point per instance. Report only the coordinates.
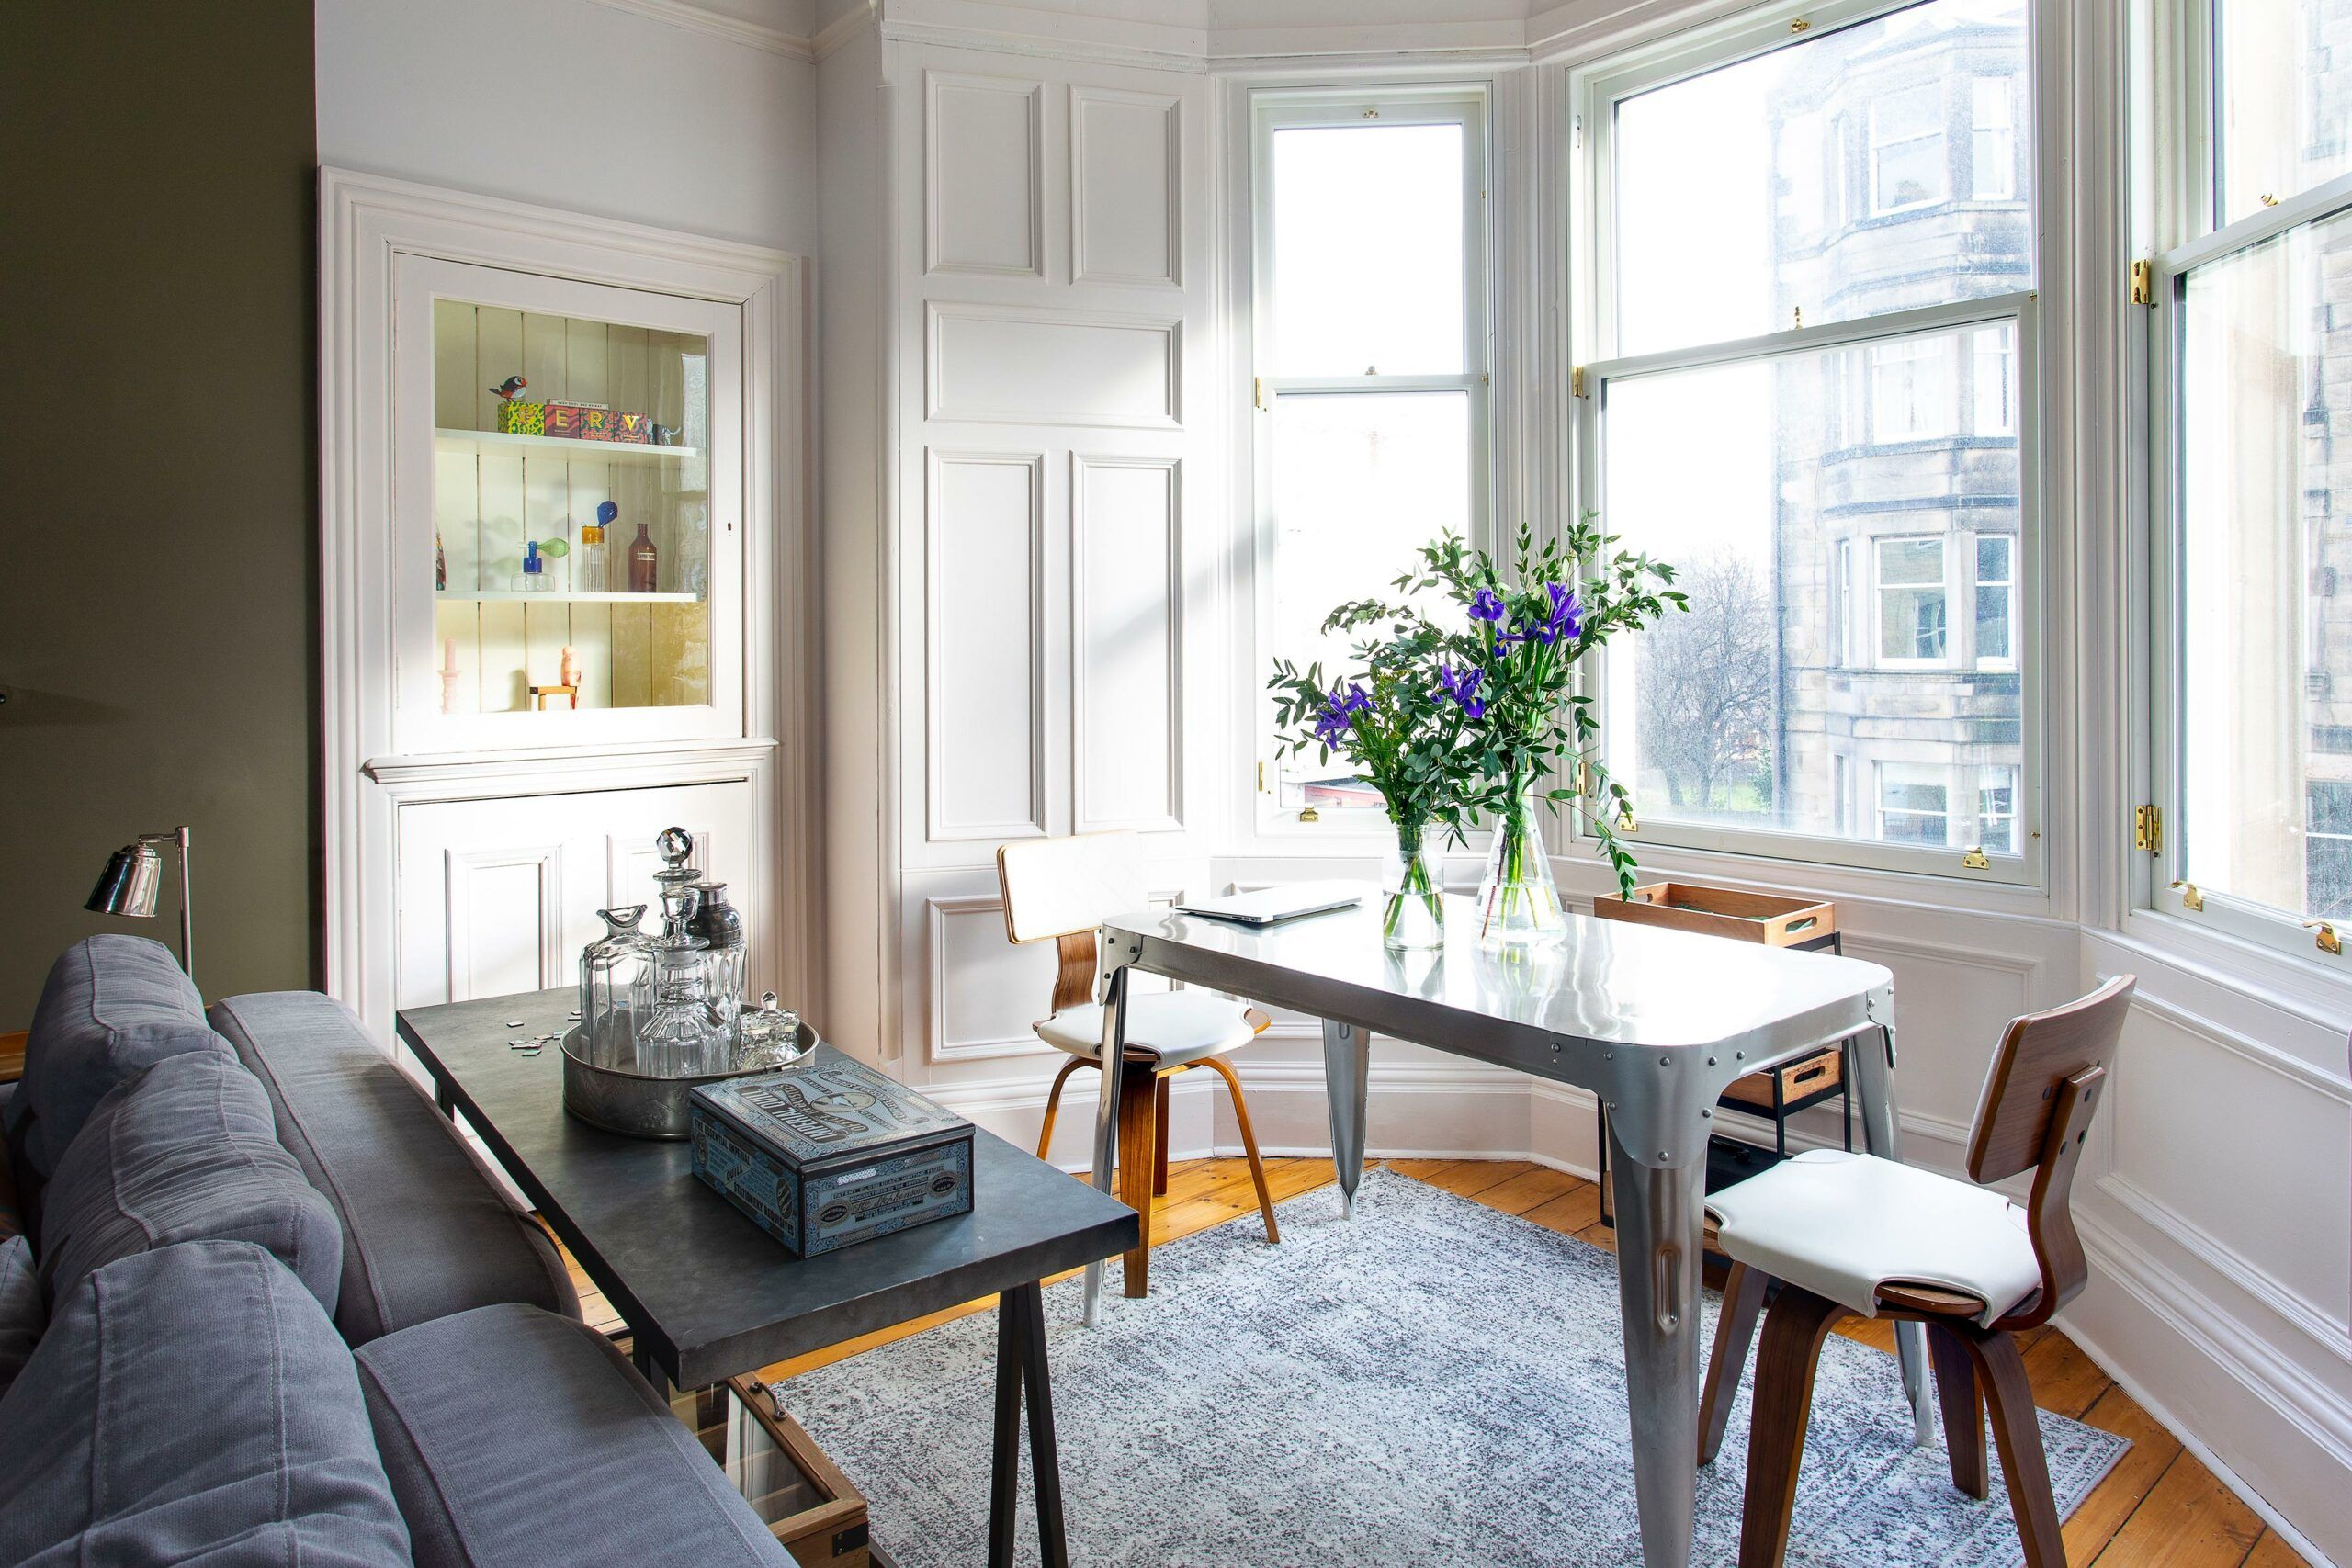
(709, 1294)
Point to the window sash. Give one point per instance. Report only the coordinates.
(2164, 890)
(1284, 110)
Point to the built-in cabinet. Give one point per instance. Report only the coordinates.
(565, 588)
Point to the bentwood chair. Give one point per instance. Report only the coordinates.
(1060, 890)
(1850, 1233)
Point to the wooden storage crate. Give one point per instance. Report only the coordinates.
(1764, 918)
(803, 1498)
(1800, 1080)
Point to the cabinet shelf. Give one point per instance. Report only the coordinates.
(493, 443)
(552, 596)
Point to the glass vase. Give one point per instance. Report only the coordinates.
(1518, 904)
(1412, 909)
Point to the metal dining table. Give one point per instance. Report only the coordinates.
(1654, 1023)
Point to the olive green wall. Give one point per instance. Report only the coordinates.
(157, 487)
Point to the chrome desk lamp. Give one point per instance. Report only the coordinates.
(133, 874)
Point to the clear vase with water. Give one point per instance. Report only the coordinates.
(1519, 904)
(1412, 900)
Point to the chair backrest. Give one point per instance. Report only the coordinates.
(2045, 1084)
(1061, 889)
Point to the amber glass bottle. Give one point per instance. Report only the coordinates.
(644, 560)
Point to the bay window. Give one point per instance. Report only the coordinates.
(1369, 422)
(2251, 348)
(1822, 414)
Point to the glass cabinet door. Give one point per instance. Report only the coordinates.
(578, 489)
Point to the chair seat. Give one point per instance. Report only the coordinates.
(1841, 1225)
(1175, 1026)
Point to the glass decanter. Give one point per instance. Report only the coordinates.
(685, 1033)
(616, 985)
(722, 931)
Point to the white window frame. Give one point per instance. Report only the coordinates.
(1282, 109)
(1881, 142)
(2000, 133)
(2191, 180)
(1592, 249)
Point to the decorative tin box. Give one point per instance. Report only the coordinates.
(828, 1151)
(581, 422)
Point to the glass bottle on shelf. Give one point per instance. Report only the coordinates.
(615, 987)
(644, 560)
(590, 573)
(533, 577)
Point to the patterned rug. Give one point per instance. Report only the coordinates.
(1433, 1383)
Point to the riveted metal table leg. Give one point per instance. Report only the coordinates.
(1870, 1063)
(1106, 1113)
(1347, 1071)
(1658, 1239)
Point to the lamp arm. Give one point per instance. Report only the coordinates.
(187, 913)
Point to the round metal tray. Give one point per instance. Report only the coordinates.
(637, 1104)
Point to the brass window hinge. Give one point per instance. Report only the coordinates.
(1576, 382)
(2144, 283)
(1976, 859)
(1261, 776)
(2148, 828)
(1257, 392)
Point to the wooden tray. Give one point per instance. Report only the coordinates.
(1764, 918)
(1806, 1076)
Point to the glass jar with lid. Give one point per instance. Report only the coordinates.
(685, 1033)
(616, 985)
(768, 1036)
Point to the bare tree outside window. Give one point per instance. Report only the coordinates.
(1706, 691)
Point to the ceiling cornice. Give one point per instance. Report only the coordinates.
(719, 24)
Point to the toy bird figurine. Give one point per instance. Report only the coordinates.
(504, 392)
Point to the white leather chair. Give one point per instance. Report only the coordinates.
(1850, 1233)
(1060, 890)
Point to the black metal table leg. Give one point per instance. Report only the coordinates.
(1021, 1366)
(1004, 1467)
(442, 1099)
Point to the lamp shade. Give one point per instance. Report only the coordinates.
(134, 875)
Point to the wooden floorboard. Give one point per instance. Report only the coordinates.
(2158, 1508)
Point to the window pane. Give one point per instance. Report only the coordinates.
(1733, 212)
(1911, 804)
(1994, 554)
(1367, 243)
(1360, 482)
(2266, 645)
(1994, 379)
(2284, 80)
(1745, 707)
(1997, 812)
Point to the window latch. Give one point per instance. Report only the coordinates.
(2327, 940)
(2190, 898)
(1976, 859)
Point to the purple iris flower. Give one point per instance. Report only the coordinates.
(1486, 605)
(1565, 618)
(1461, 685)
(1339, 711)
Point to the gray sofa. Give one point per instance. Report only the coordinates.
(267, 1308)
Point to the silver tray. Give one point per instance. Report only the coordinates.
(638, 1105)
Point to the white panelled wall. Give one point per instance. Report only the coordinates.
(1037, 544)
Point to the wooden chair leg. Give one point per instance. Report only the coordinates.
(1248, 1145)
(1963, 1410)
(1793, 1331)
(1159, 1140)
(1054, 1103)
(2017, 1431)
(1734, 1333)
(1137, 1124)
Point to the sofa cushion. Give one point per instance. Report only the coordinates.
(426, 1232)
(22, 1316)
(514, 1436)
(185, 1152)
(111, 1005)
(192, 1404)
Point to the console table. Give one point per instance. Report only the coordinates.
(708, 1295)
(1655, 1022)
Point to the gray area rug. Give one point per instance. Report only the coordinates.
(1433, 1382)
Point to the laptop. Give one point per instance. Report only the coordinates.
(1288, 902)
